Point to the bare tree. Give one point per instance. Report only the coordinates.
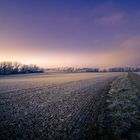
(16, 67)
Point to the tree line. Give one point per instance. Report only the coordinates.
(17, 68)
(79, 70)
(122, 69)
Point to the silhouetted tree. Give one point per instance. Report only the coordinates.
(16, 67)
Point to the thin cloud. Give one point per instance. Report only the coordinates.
(126, 54)
(113, 18)
(108, 14)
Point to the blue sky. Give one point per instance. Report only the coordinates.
(80, 33)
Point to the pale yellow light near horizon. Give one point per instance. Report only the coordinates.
(15, 51)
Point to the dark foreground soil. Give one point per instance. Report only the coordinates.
(49, 109)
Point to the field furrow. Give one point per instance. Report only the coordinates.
(61, 110)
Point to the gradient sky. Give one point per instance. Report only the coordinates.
(63, 33)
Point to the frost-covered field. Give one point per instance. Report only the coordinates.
(120, 117)
(57, 106)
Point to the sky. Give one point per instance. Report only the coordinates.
(70, 33)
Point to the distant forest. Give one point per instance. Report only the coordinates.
(7, 68)
(78, 70)
(17, 68)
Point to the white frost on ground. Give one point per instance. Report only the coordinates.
(55, 107)
(121, 114)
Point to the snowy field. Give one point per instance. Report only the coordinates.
(41, 106)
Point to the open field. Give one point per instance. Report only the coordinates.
(57, 106)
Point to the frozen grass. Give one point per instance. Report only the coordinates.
(121, 114)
